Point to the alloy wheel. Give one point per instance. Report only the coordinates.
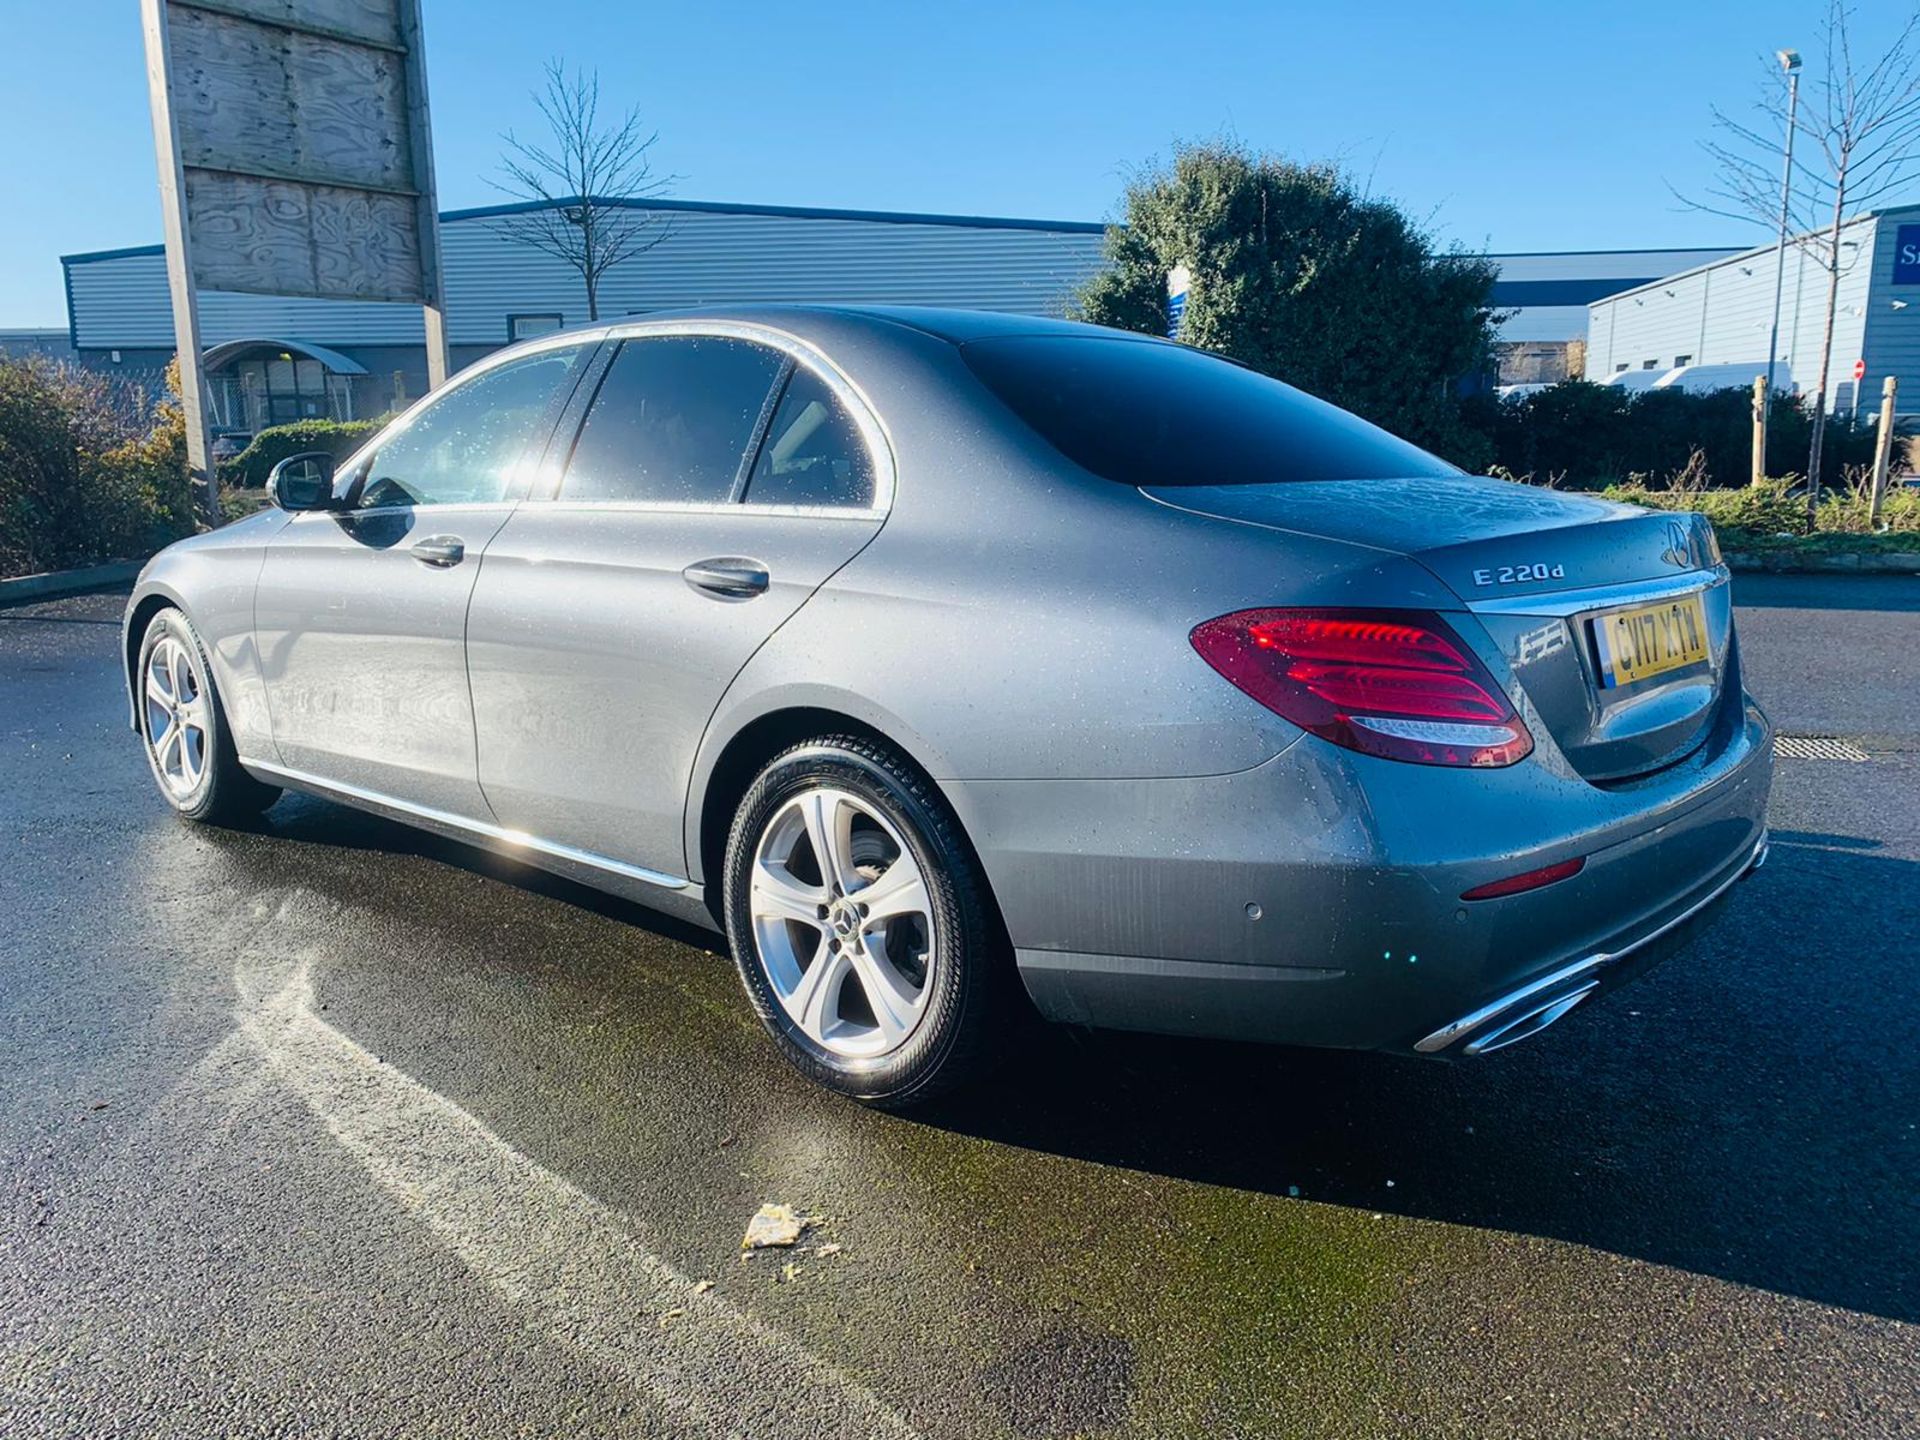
(176, 713)
(842, 923)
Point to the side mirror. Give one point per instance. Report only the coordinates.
(302, 482)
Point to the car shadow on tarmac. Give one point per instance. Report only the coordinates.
(1746, 1111)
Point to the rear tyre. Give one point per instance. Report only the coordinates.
(857, 919)
(189, 747)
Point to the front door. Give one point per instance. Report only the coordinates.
(361, 613)
(713, 487)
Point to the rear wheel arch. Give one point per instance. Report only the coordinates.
(755, 745)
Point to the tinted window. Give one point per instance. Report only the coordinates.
(814, 453)
(466, 447)
(1146, 414)
(672, 421)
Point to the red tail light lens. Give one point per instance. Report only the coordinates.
(1394, 683)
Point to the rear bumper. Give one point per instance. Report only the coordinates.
(1529, 1009)
(1315, 900)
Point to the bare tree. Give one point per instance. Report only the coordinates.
(582, 179)
(1860, 135)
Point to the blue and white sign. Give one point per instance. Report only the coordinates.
(1179, 281)
(1906, 255)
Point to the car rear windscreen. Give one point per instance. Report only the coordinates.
(1151, 415)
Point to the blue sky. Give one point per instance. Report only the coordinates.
(1516, 126)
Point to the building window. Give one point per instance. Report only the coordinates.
(1680, 360)
(525, 327)
(1649, 364)
(1621, 368)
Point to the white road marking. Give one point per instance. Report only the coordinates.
(572, 1264)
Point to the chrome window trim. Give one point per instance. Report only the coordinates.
(1599, 597)
(866, 418)
(521, 350)
(477, 507)
(508, 840)
(714, 507)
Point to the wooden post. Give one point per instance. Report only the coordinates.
(420, 144)
(186, 305)
(1883, 450)
(1760, 399)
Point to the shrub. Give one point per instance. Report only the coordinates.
(1299, 274)
(80, 480)
(339, 438)
(1581, 434)
(1769, 508)
(1774, 508)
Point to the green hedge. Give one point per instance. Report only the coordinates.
(1771, 510)
(339, 438)
(1584, 435)
(89, 470)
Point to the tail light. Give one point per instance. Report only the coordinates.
(1394, 683)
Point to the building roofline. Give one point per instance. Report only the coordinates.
(126, 252)
(1630, 250)
(1864, 217)
(797, 212)
(702, 207)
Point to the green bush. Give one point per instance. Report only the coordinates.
(85, 476)
(1754, 515)
(339, 438)
(1300, 274)
(1769, 508)
(1584, 435)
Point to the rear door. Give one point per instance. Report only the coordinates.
(715, 482)
(360, 613)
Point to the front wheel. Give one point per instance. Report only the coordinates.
(189, 747)
(856, 917)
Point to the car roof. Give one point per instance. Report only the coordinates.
(957, 327)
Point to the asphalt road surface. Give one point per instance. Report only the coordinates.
(330, 1128)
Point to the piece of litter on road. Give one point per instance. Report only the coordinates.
(790, 1272)
(701, 1287)
(832, 1247)
(775, 1225)
(671, 1316)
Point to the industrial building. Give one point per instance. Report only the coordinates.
(270, 359)
(1719, 314)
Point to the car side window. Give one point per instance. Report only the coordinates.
(814, 454)
(466, 448)
(673, 420)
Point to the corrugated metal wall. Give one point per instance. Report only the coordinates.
(1720, 314)
(706, 256)
(1527, 276)
(1892, 344)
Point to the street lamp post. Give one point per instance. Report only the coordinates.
(1790, 63)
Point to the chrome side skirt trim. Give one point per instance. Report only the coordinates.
(498, 836)
(1447, 1034)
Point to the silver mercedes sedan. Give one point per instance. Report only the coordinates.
(949, 663)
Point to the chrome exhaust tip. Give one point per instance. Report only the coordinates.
(1532, 1008)
(1528, 1022)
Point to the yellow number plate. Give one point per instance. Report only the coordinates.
(1636, 644)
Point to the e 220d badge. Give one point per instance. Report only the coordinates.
(1519, 574)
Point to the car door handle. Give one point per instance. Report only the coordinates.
(440, 551)
(730, 578)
